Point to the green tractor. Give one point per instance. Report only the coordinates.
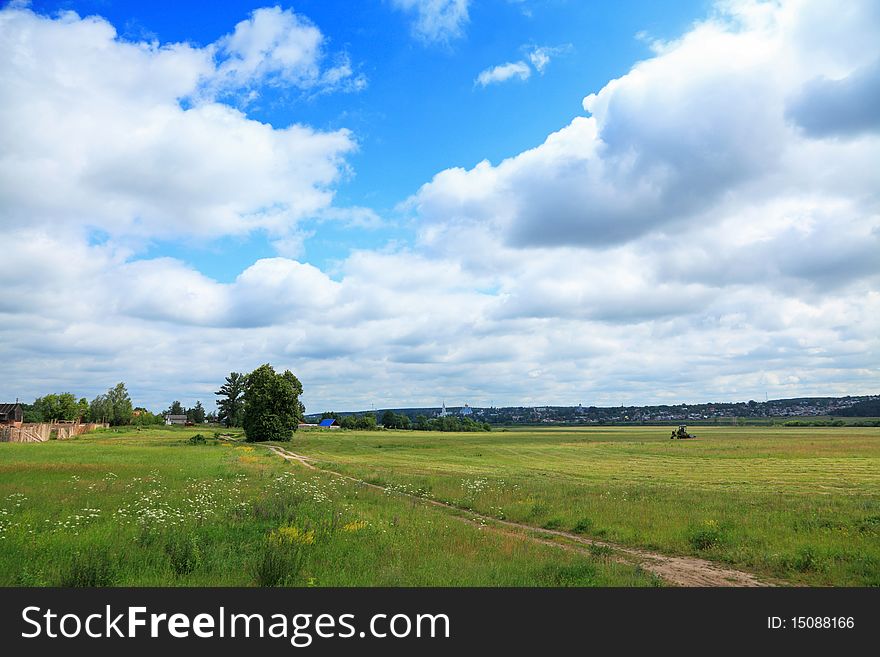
(681, 433)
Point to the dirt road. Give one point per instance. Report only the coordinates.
(676, 570)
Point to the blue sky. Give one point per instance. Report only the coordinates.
(420, 111)
(403, 201)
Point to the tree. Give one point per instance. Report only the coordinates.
(231, 404)
(120, 405)
(272, 408)
(389, 419)
(100, 409)
(55, 408)
(197, 413)
(366, 421)
(82, 409)
(176, 408)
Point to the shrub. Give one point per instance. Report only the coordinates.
(553, 523)
(198, 439)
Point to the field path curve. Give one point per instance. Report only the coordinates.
(676, 570)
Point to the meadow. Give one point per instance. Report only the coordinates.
(138, 508)
(796, 505)
(149, 508)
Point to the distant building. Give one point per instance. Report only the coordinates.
(328, 423)
(443, 411)
(11, 414)
(306, 425)
(175, 419)
(466, 410)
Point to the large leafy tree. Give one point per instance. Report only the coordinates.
(54, 408)
(231, 402)
(120, 404)
(272, 408)
(100, 409)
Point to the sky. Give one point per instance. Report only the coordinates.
(405, 202)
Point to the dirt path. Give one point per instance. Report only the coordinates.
(677, 570)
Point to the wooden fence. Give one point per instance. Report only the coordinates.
(43, 431)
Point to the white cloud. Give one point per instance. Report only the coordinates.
(436, 21)
(95, 135)
(677, 140)
(278, 47)
(541, 56)
(503, 72)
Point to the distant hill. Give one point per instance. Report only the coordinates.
(861, 406)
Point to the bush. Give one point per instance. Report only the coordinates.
(198, 439)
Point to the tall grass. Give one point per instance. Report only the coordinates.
(150, 508)
(800, 504)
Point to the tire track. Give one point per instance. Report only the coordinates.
(676, 570)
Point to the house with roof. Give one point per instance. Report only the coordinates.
(11, 414)
(328, 423)
(175, 419)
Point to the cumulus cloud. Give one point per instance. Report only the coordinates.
(503, 73)
(96, 135)
(677, 140)
(843, 107)
(278, 47)
(436, 21)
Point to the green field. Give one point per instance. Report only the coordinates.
(794, 505)
(798, 504)
(129, 508)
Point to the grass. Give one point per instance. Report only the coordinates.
(796, 503)
(153, 508)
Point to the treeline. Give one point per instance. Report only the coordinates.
(392, 420)
(113, 407)
(866, 408)
(818, 422)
